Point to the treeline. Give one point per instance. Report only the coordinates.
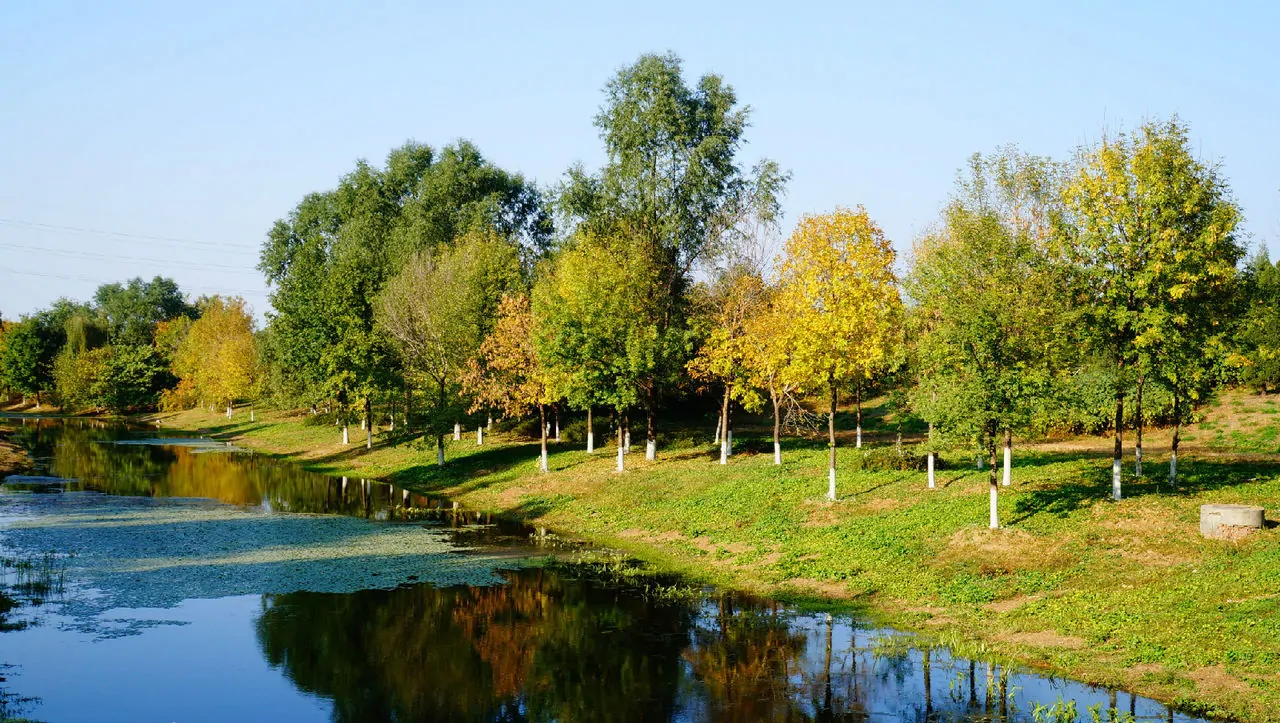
(133, 347)
(1105, 291)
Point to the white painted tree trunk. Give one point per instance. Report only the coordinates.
(368, 437)
(479, 435)
(651, 449)
(557, 428)
(1137, 461)
(1173, 468)
(627, 442)
(858, 443)
(542, 461)
(346, 437)
(1008, 466)
(252, 417)
(1115, 478)
(591, 442)
(439, 451)
(228, 411)
(729, 441)
(362, 424)
(831, 484)
(392, 419)
(979, 464)
(719, 425)
(995, 507)
(724, 451)
(777, 453)
(489, 424)
(932, 478)
(457, 432)
(621, 457)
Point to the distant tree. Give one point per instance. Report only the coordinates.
(217, 357)
(133, 309)
(839, 289)
(28, 355)
(507, 374)
(1146, 224)
(1257, 336)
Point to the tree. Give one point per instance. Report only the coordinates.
(984, 293)
(507, 374)
(672, 186)
(1145, 224)
(217, 357)
(1257, 336)
(769, 350)
(330, 258)
(839, 289)
(439, 308)
(28, 354)
(133, 309)
(734, 299)
(587, 335)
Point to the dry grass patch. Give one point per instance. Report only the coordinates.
(1004, 550)
(1045, 639)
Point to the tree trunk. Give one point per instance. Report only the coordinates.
(1117, 453)
(1008, 457)
(557, 410)
(1138, 421)
(591, 432)
(346, 438)
(252, 416)
(857, 393)
(724, 425)
(990, 440)
(542, 416)
(368, 414)
(408, 408)
(719, 429)
(457, 431)
(651, 432)
(831, 439)
(1173, 445)
(626, 426)
(229, 408)
(777, 429)
(440, 450)
(932, 479)
(479, 434)
(621, 443)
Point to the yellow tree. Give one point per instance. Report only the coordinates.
(735, 297)
(839, 292)
(769, 346)
(217, 357)
(507, 374)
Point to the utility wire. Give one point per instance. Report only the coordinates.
(215, 289)
(118, 257)
(35, 226)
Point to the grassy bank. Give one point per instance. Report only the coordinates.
(12, 459)
(1124, 594)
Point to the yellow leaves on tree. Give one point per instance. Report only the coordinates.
(217, 359)
(840, 294)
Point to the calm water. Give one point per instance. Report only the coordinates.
(188, 582)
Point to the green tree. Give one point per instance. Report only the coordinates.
(839, 289)
(673, 187)
(1257, 337)
(1146, 224)
(133, 309)
(440, 307)
(984, 293)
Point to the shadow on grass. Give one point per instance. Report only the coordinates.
(1094, 485)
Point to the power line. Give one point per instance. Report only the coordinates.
(214, 289)
(119, 257)
(36, 226)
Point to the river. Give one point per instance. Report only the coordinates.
(159, 577)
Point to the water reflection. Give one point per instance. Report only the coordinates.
(559, 642)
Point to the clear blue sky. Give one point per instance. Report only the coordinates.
(207, 121)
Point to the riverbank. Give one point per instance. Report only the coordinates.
(13, 460)
(1123, 594)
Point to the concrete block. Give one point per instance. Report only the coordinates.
(1230, 520)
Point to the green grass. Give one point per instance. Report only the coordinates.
(1120, 593)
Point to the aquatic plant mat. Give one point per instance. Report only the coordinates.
(132, 552)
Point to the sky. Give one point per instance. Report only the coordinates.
(139, 139)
